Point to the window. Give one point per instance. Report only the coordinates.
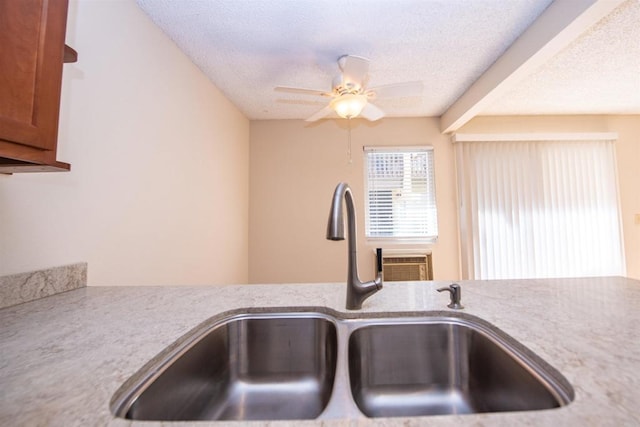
(539, 208)
(400, 194)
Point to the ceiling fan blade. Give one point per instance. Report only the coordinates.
(320, 114)
(371, 112)
(301, 91)
(398, 90)
(354, 69)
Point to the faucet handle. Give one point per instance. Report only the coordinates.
(378, 260)
(455, 292)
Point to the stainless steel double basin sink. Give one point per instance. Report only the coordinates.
(318, 364)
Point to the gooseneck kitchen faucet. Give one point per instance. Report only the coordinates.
(357, 291)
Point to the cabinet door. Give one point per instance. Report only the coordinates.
(31, 58)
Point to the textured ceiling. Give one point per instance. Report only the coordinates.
(599, 73)
(247, 47)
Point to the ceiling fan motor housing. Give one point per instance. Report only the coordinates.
(342, 87)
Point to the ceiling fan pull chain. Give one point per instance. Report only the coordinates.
(349, 159)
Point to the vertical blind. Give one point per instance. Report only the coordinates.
(400, 193)
(535, 209)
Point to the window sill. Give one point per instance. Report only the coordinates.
(402, 241)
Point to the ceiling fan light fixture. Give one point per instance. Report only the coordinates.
(349, 94)
(348, 105)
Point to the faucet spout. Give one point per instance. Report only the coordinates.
(357, 291)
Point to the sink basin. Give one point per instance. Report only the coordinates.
(320, 364)
(443, 366)
(245, 368)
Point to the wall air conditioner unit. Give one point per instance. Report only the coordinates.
(397, 267)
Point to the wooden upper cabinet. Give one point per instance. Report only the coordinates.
(32, 51)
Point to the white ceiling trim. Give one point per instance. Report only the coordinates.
(559, 25)
(509, 137)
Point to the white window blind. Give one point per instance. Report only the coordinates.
(535, 209)
(400, 193)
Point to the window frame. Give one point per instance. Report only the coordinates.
(430, 238)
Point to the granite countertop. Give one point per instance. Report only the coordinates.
(64, 356)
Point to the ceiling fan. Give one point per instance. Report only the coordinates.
(350, 96)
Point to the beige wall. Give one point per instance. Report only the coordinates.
(294, 169)
(628, 158)
(158, 191)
